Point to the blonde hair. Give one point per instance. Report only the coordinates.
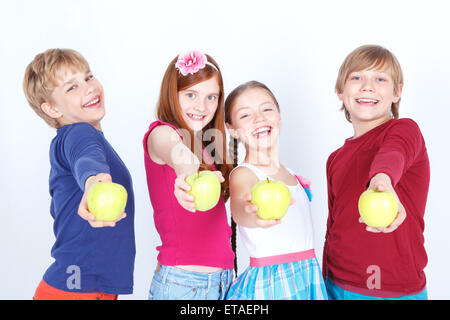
(370, 57)
(41, 77)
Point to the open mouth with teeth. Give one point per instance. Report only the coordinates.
(196, 117)
(95, 102)
(262, 132)
(367, 101)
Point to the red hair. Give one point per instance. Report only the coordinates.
(169, 110)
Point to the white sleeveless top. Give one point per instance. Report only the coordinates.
(293, 234)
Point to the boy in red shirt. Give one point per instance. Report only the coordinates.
(385, 153)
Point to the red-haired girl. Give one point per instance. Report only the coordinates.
(195, 259)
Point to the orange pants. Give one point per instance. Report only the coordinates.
(46, 292)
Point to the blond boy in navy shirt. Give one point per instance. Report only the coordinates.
(91, 261)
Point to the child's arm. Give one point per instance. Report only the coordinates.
(83, 210)
(165, 146)
(84, 150)
(242, 210)
(401, 146)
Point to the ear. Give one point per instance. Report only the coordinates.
(339, 94)
(51, 110)
(232, 131)
(398, 94)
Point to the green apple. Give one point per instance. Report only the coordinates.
(107, 200)
(205, 187)
(378, 209)
(272, 198)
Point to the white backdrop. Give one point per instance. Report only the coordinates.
(295, 47)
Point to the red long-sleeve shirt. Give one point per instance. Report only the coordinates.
(353, 255)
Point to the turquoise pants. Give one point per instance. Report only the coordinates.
(337, 293)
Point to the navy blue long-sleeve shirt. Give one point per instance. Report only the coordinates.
(88, 259)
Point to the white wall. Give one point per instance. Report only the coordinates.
(295, 47)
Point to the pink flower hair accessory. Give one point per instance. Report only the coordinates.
(191, 62)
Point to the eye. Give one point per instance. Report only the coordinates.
(355, 78)
(379, 79)
(243, 116)
(190, 95)
(89, 77)
(71, 88)
(212, 98)
(267, 109)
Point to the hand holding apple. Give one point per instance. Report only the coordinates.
(181, 190)
(272, 199)
(378, 209)
(252, 209)
(382, 182)
(107, 200)
(83, 210)
(205, 189)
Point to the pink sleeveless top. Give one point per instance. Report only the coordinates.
(200, 238)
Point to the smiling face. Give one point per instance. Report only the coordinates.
(255, 119)
(368, 96)
(77, 97)
(199, 103)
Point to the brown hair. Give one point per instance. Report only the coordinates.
(370, 57)
(169, 110)
(233, 147)
(41, 77)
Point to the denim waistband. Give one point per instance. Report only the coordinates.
(198, 279)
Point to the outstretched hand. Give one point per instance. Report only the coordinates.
(83, 210)
(181, 190)
(252, 209)
(382, 182)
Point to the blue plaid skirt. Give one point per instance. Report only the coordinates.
(299, 280)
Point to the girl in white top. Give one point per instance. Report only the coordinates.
(282, 260)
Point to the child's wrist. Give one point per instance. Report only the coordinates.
(103, 177)
(382, 176)
(380, 179)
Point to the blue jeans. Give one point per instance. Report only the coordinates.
(172, 283)
(337, 293)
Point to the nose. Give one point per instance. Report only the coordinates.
(367, 85)
(89, 87)
(200, 106)
(259, 116)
